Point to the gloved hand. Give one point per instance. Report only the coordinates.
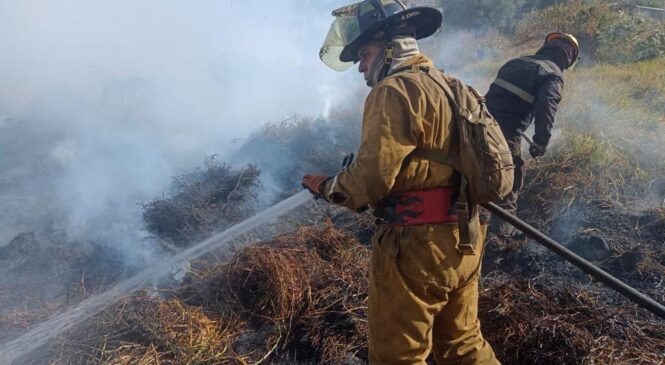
(313, 183)
(537, 150)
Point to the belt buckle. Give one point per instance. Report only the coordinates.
(462, 207)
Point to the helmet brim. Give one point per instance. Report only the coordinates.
(425, 20)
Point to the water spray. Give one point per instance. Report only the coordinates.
(42, 333)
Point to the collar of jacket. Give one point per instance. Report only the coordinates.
(403, 48)
(555, 54)
(417, 60)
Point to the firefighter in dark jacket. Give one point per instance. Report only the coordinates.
(528, 89)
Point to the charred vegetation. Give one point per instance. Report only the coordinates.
(204, 200)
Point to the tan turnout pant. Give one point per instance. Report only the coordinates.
(423, 297)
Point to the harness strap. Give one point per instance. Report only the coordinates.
(468, 221)
(442, 84)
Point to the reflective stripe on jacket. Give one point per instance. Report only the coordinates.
(526, 89)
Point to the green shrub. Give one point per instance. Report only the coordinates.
(651, 3)
(475, 14)
(611, 129)
(576, 17)
(606, 33)
(630, 38)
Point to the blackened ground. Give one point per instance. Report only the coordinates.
(45, 274)
(626, 243)
(301, 299)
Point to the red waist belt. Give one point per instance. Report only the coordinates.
(419, 207)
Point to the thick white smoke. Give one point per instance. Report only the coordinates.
(130, 93)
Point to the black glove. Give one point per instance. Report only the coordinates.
(537, 150)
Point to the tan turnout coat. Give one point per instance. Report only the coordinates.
(423, 292)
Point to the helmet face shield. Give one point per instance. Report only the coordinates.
(342, 32)
(372, 20)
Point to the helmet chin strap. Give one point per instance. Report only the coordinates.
(395, 53)
(388, 54)
(379, 68)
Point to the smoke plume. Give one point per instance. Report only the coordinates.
(101, 103)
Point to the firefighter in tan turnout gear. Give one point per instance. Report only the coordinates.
(423, 294)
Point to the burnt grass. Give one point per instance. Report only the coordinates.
(538, 308)
(201, 202)
(45, 273)
(628, 245)
(300, 297)
(549, 311)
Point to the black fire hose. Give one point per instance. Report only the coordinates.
(602, 276)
